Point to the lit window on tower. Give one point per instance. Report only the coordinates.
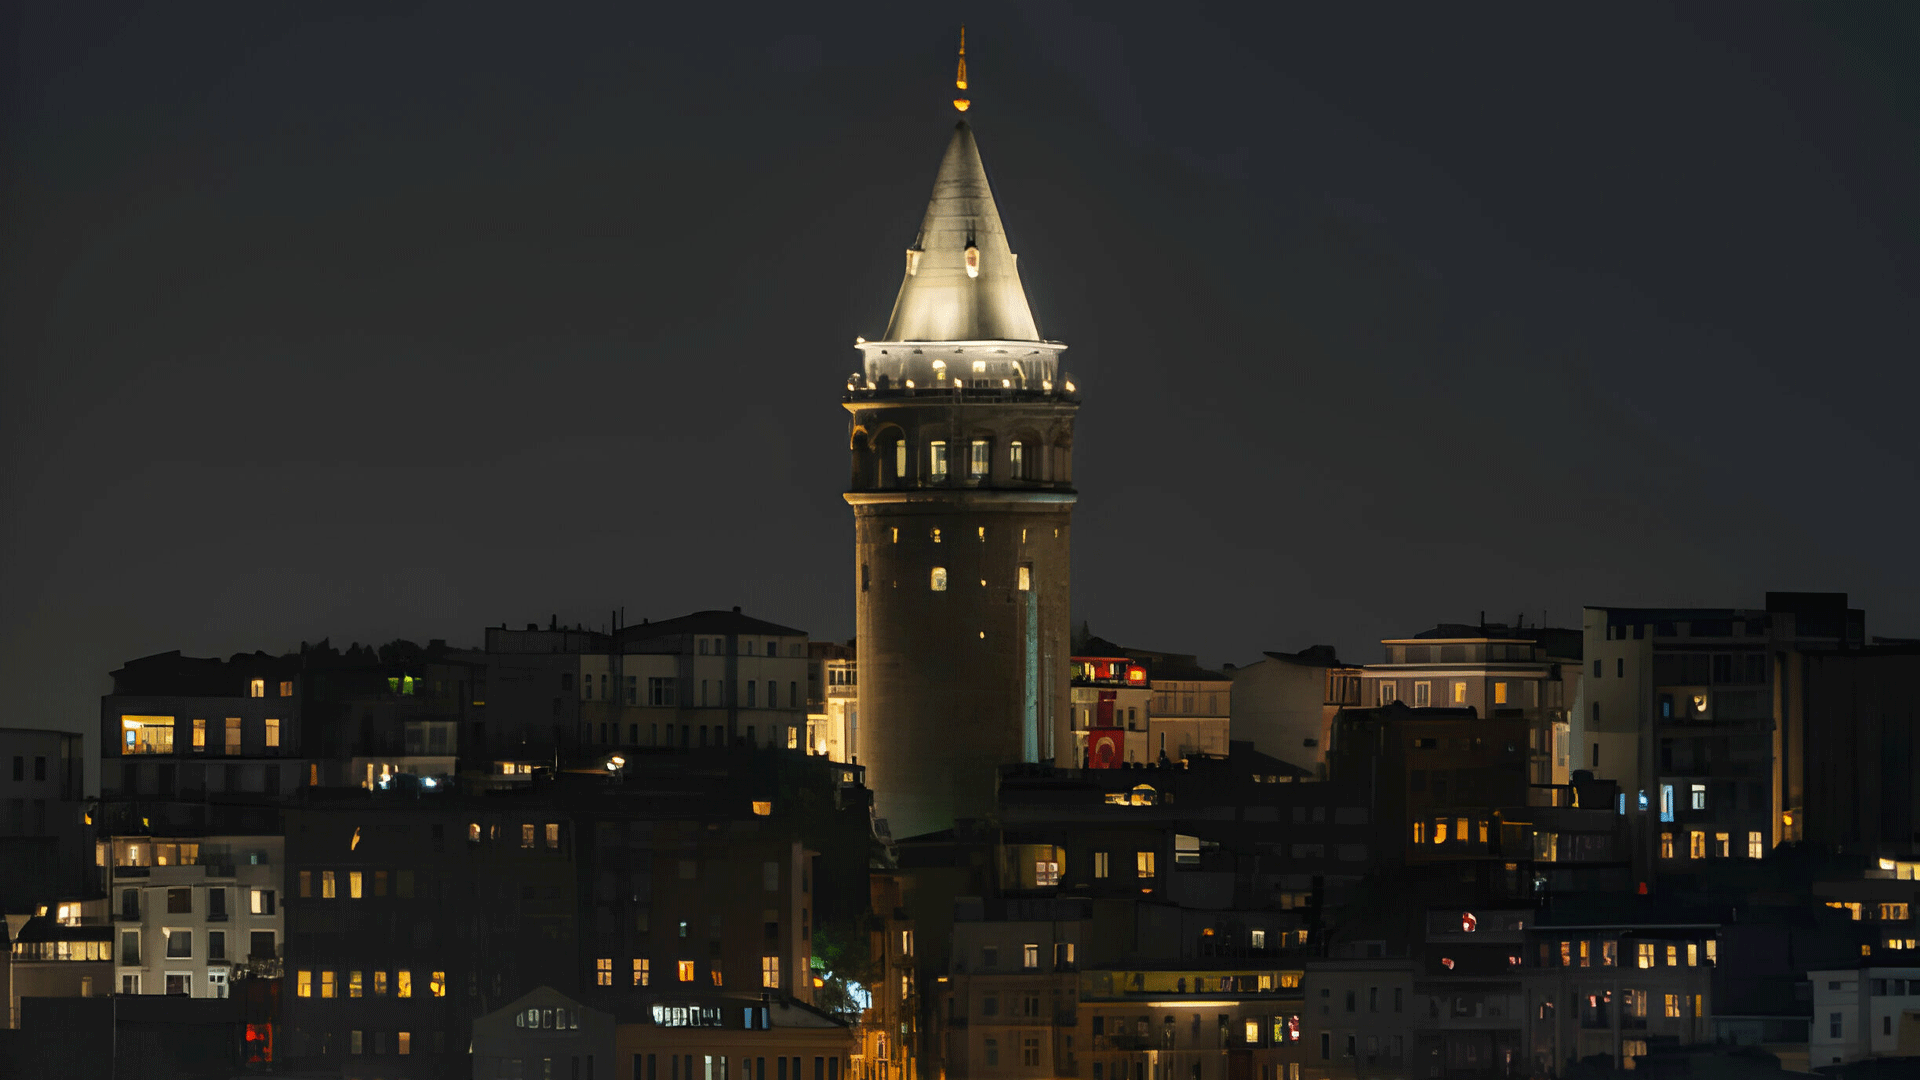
(939, 583)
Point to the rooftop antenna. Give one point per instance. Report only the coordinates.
(960, 76)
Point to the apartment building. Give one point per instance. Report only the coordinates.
(194, 914)
(1683, 708)
(1499, 672)
(1284, 704)
(1865, 1012)
(179, 728)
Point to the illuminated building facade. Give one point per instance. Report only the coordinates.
(961, 442)
(1497, 671)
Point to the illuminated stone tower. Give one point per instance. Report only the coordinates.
(962, 494)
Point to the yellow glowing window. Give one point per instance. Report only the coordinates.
(1419, 832)
(327, 984)
(1499, 693)
(603, 971)
(1673, 956)
(354, 882)
(1609, 953)
(313, 775)
(327, 887)
(1693, 954)
(1026, 578)
(304, 984)
(1143, 863)
(379, 984)
(1252, 1034)
(353, 984)
(939, 579)
(1566, 954)
(685, 970)
(642, 972)
(1670, 1006)
(770, 972)
(1586, 954)
(1459, 692)
(1711, 951)
(1460, 829)
(200, 734)
(1696, 844)
(1483, 832)
(286, 688)
(257, 688)
(437, 985)
(526, 835)
(762, 808)
(403, 983)
(1440, 832)
(147, 734)
(716, 976)
(273, 732)
(1666, 845)
(1643, 954)
(553, 834)
(404, 1042)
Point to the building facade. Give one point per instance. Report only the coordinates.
(961, 442)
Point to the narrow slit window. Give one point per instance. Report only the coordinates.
(1017, 459)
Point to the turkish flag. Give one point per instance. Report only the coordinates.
(1105, 748)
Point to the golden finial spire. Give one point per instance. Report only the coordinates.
(960, 76)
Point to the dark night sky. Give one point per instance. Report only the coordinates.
(389, 323)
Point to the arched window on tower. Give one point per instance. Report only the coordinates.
(939, 582)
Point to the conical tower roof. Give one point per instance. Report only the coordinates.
(939, 300)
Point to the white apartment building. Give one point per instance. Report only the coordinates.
(193, 914)
(1864, 1013)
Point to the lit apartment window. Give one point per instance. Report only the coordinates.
(354, 987)
(1422, 695)
(1666, 845)
(1459, 692)
(770, 972)
(303, 983)
(1026, 577)
(403, 983)
(1017, 459)
(233, 734)
(979, 458)
(1693, 954)
(1143, 863)
(286, 688)
(1643, 954)
(403, 1042)
(147, 734)
(257, 688)
(354, 882)
(1696, 844)
(1499, 693)
(939, 579)
(1673, 956)
(642, 972)
(327, 985)
(686, 971)
(1440, 831)
(1030, 956)
(1756, 845)
(937, 460)
(553, 835)
(437, 985)
(1100, 864)
(526, 835)
(273, 732)
(380, 984)
(1419, 832)
(1697, 793)
(199, 734)
(327, 885)
(603, 971)
(1383, 693)
(1722, 846)
(1670, 1006)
